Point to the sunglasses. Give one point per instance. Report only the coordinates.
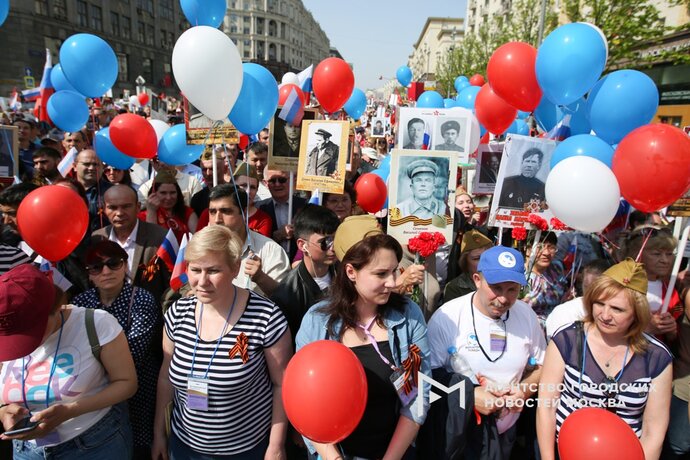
(112, 264)
(324, 243)
(280, 180)
(111, 169)
(651, 231)
(609, 387)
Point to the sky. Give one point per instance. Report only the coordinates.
(377, 36)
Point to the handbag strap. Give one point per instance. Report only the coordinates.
(92, 334)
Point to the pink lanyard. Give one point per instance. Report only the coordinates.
(372, 341)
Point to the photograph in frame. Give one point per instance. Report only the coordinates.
(379, 127)
(488, 166)
(421, 193)
(9, 151)
(197, 126)
(435, 129)
(521, 182)
(285, 139)
(323, 155)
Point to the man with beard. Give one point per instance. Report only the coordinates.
(46, 161)
(10, 199)
(519, 190)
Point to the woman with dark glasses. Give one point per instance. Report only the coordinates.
(117, 176)
(139, 316)
(608, 361)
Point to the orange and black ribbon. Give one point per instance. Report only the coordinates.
(411, 367)
(149, 270)
(241, 348)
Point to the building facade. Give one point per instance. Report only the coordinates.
(438, 37)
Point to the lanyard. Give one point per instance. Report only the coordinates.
(372, 340)
(225, 327)
(505, 330)
(25, 372)
(584, 360)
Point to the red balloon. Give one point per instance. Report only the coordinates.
(371, 192)
(133, 136)
(325, 391)
(652, 165)
(333, 82)
(285, 91)
(493, 113)
(477, 80)
(513, 77)
(597, 434)
(53, 220)
(143, 98)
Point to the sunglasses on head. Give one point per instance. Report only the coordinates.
(280, 180)
(112, 264)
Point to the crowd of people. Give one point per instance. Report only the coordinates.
(101, 358)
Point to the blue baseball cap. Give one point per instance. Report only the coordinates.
(501, 264)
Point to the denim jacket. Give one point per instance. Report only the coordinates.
(404, 329)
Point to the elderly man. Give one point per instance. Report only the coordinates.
(139, 239)
(422, 204)
(323, 158)
(89, 172)
(75, 139)
(497, 336)
(415, 131)
(518, 191)
(450, 130)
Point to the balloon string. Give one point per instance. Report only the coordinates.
(245, 212)
(644, 243)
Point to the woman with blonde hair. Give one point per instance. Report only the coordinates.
(608, 361)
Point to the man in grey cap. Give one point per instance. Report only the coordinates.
(323, 159)
(422, 204)
(450, 130)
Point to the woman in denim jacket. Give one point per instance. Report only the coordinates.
(387, 333)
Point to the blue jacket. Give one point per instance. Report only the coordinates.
(404, 329)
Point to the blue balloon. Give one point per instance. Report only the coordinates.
(404, 75)
(518, 127)
(68, 110)
(430, 100)
(357, 104)
(204, 12)
(174, 150)
(59, 80)
(108, 153)
(461, 83)
(258, 100)
(89, 64)
(585, 145)
(522, 115)
(570, 61)
(467, 97)
(621, 102)
(448, 103)
(548, 115)
(4, 10)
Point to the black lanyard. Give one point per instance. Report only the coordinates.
(505, 330)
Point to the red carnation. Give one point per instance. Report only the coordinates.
(519, 233)
(557, 224)
(538, 222)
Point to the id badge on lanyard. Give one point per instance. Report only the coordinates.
(498, 338)
(197, 392)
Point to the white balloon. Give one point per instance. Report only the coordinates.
(160, 127)
(290, 78)
(603, 37)
(475, 133)
(208, 70)
(583, 193)
(134, 101)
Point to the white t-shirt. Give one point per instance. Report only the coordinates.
(451, 325)
(564, 314)
(78, 373)
(323, 282)
(274, 261)
(655, 295)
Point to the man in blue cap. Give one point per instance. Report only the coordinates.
(498, 336)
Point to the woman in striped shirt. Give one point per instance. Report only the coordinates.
(609, 362)
(225, 350)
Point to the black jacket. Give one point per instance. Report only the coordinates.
(268, 207)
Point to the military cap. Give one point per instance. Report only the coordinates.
(450, 124)
(420, 166)
(630, 274)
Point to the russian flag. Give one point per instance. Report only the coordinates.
(67, 162)
(31, 95)
(315, 197)
(561, 131)
(179, 272)
(293, 110)
(46, 90)
(569, 258)
(426, 140)
(304, 78)
(169, 250)
(14, 100)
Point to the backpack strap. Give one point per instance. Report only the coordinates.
(92, 334)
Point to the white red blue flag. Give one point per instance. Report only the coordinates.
(45, 90)
(169, 250)
(179, 271)
(561, 131)
(293, 110)
(67, 162)
(304, 78)
(426, 139)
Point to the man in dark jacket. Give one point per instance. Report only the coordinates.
(308, 282)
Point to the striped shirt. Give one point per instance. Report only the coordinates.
(628, 396)
(240, 395)
(10, 257)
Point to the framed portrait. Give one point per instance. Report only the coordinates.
(421, 193)
(9, 151)
(350, 151)
(435, 129)
(283, 148)
(323, 155)
(488, 164)
(380, 126)
(521, 181)
(198, 125)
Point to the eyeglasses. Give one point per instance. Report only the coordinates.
(548, 248)
(112, 264)
(650, 231)
(280, 180)
(324, 243)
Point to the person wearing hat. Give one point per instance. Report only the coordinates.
(474, 243)
(608, 361)
(83, 360)
(497, 335)
(323, 158)
(450, 130)
(422, 204)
